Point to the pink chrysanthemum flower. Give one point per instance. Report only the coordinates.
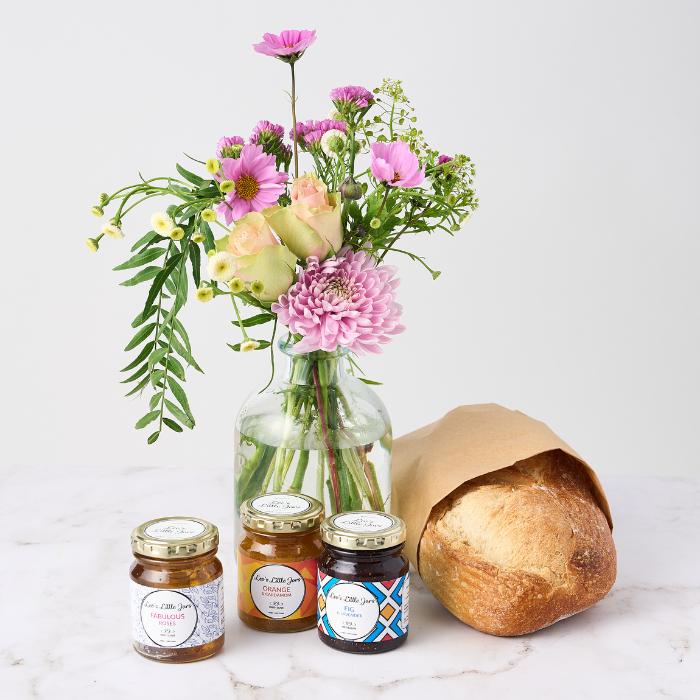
(311, 131)
(229, 147)
(351, 97)
(395, 164)
(288, 46)
(347, 300)
(258, 183)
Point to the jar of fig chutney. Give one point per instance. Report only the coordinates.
(277, 562)
(177, 592)
(363, 583)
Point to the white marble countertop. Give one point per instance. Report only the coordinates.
(65, 616)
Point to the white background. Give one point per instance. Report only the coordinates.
(572, 294)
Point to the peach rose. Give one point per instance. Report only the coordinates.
(250, 235)
(311, 224)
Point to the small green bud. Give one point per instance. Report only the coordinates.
(177, 234)
(104, 198)
(98, 210)
(455, 228)
(209, 215)
(257, 287)
(375, 223)
(351, 189)
(92, 244)
(212, 165)
(236, 285)
(451, 199)
(227, 186)
(198, 238)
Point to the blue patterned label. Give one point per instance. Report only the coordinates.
(363, 611)
(177, 617)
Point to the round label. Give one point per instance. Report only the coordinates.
(281, 504)
(175, 529)
(352, 610)
(277, 591)
(168, 617)
(363, 522)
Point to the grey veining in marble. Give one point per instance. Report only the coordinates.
(65, 616)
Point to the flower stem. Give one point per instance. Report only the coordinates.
(294, 121)
(321, 397)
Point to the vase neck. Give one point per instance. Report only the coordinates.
(315, 368)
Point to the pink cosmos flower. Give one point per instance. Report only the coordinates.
(227, 147)
(395, 164)
(258, 183)
(347, 300)
(351, 96)
(288, 46)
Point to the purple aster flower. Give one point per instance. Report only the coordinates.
(444, 159)
(267, 131)
(347, 300)
(258, 183)
(229, 147)
(311, 131)
(288, 46)
(351, 97)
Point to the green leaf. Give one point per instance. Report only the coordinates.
(143, 316)
(157, 376)
(153, 437)
(174, 366)
(148, 418)
(139, 372)
(370, 381)
(255, 320)
(180, 329)
(205, 229)
(141, 356)
(196, 260)
(179, 394)
(139, 387)
(160, 279)
(190, 177)
(146, 274)
(181, 350)
(142, 258)
(182, 285)
(179, 414)
(172, 424)
(156, 356)
(140, 336)
(170, 285)
(150, 237)
(153, 402)
(264, 344)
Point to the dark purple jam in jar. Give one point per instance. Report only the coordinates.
(363, 582)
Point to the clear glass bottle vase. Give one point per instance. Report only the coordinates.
(319, 431)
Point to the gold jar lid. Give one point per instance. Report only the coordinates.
(281, 512)
(176, 537)
(363, 530)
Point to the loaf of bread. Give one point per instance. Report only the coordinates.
(517, 549)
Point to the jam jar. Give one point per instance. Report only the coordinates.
(363, 582)
(177, 592)
(277, 562)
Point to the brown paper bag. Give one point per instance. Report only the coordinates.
(473, 440)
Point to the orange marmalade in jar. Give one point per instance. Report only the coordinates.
(277, 562)
(177, 592)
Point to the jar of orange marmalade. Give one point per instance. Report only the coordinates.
(277, 562)
(177, 592)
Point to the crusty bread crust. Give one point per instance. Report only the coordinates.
(515, 550)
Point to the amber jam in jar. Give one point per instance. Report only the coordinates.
(177, 592)
(277, 562)
(363, 583)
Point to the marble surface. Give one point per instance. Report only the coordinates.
(65, 616)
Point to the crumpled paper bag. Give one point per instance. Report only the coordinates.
(429, 463)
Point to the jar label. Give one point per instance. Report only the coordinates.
(177, 617)
(281, 504)
(175, 529)
(363, 522)
(363, 611)
(276, 591)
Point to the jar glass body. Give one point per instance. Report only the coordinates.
(363, 567)
(319, 431)
(177, 573)
(298, 553)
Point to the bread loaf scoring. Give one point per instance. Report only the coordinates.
(517, 549)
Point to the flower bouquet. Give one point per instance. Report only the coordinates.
(304, 251)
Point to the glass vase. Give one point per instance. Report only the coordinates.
(320, 431)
